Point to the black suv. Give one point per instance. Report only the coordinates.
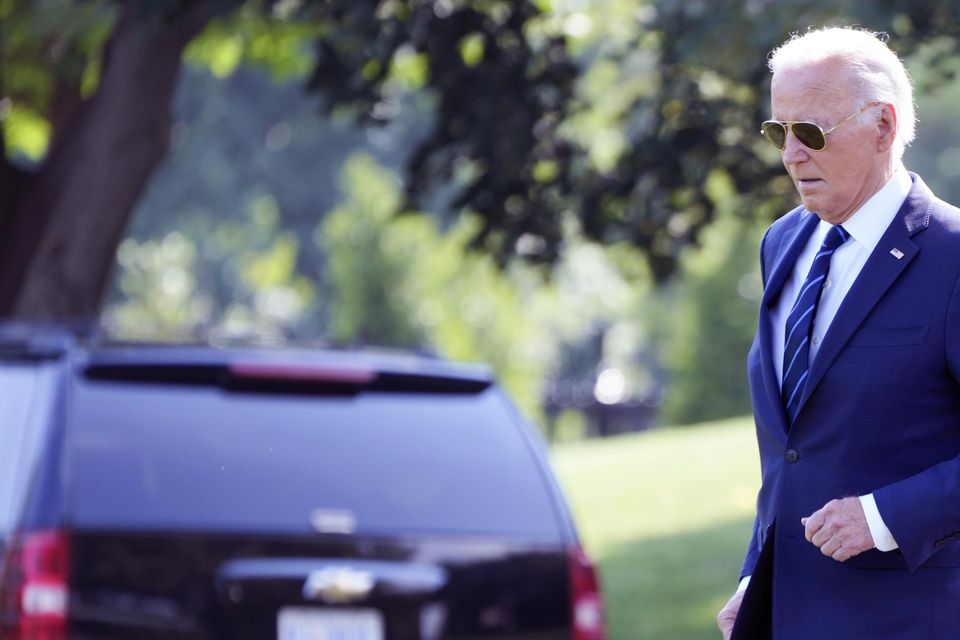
(218, 493)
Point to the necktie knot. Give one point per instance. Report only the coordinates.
(835, 237)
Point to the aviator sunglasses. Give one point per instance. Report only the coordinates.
(809, 134)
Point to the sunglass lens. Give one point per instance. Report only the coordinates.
(774, 132)
(809, 135)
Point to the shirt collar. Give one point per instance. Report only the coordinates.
(868, 223)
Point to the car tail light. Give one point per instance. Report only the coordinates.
(34, 587)
(292, 373)
(586, 599)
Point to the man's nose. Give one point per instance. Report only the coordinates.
(793, 150)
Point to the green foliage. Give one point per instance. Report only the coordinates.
(502, 80)
(366, 273)
(159, 280)
(52, 51)
(275, 41)
(49, 49)
(712, 320)
(711, 315)
(628, 122)
(401, 282)
(27, 134)
(244, 148)
(169, 288)
(616, 110)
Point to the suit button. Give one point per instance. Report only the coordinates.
(791, 455)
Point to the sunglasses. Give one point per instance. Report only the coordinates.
(809, 134)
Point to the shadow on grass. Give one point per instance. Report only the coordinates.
(671, 588)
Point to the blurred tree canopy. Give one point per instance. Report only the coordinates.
(541, 110)
(519, 127)
(91, 103)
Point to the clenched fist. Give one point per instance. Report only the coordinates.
(839, 529)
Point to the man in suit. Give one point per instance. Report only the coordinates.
(855, 369)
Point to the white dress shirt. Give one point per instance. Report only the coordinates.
(866, 226)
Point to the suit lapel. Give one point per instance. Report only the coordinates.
(879, 273)
(790, 246)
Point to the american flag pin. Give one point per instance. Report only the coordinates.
(896, 253)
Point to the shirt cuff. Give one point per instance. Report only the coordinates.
(882, 538)
(743, 584)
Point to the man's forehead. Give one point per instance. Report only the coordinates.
(822, 88)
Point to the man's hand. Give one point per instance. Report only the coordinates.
(728, 615)
(839, 529)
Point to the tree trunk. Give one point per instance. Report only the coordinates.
(59, 246)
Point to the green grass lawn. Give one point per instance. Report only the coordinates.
(666, 514)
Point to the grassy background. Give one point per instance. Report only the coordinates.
(666, 514)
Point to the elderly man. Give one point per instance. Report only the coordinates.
(855, 369)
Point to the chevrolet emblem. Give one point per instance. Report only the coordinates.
(338, 585)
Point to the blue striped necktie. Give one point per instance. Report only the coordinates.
(796, 343)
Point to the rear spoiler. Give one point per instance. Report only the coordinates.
(250, 376)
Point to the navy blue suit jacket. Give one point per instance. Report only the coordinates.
(880, 413)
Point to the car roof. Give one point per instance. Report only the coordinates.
(373, 358)
(102, 357)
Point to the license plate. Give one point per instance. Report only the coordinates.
(302, 623)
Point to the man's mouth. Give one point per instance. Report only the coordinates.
(808, 183)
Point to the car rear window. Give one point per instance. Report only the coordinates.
(172, 457)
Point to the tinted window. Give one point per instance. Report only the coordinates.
(164, 456)
(25, 403)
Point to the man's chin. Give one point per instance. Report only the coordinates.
(810, 204)
(814, 205)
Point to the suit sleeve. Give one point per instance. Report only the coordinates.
(923, 511)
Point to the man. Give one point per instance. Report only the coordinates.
(855, 369)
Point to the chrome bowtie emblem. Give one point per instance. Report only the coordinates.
(333, 521)
(338, 585)
(896, 253)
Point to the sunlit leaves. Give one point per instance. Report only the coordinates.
(273, 267)
(709, 321)
(223, 55)
(365, 283)
(546, 171)
(471, 49)
(281, 44)
(408, 69)
(401, 281)
(27, 134)
(170, 286)
(50, 38)
(158, 278)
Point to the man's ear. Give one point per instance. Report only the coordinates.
(886, 127)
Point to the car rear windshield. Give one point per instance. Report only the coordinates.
(154, 456)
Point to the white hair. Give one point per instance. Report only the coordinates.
(877, 70)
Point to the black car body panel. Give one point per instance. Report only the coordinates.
(204, 493)
(187, 587)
